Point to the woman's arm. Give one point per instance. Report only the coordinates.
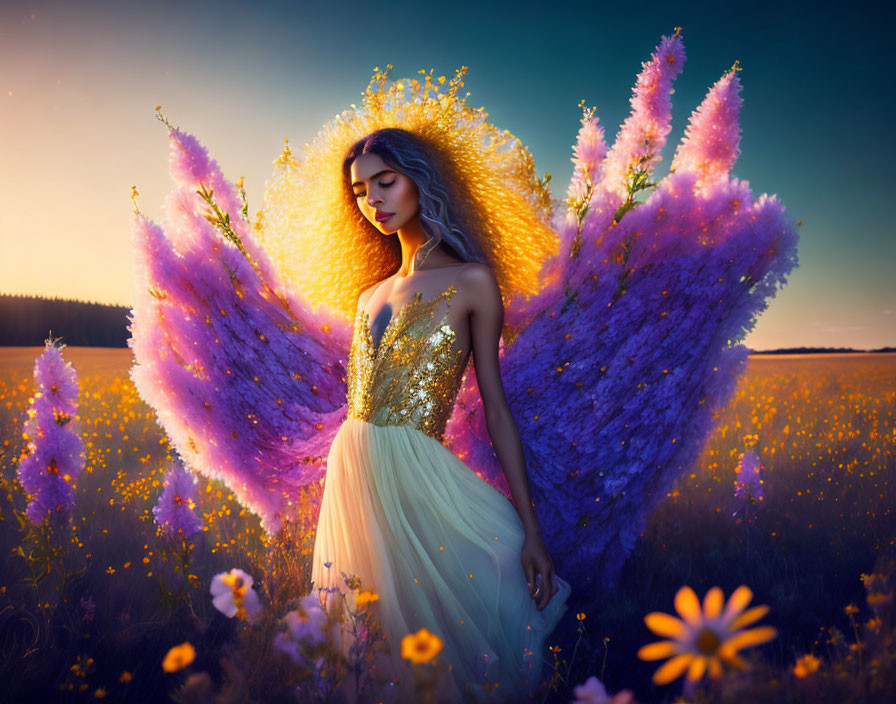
(486, 314)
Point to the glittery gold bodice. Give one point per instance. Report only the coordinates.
(413, 376)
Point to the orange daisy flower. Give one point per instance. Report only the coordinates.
(704, 638)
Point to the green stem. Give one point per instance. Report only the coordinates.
(221, 221)
(575, 648)
(604, 663)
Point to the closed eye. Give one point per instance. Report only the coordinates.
(384, 185)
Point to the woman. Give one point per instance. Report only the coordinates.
(443, 549)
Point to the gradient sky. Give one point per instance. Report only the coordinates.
(80, 81)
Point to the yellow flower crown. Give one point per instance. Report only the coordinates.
(321, 244)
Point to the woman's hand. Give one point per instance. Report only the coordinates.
(536, 560)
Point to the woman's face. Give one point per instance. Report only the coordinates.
(387, 198)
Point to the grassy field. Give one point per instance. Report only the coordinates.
(90, 610)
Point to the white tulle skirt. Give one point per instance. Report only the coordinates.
(441, 548)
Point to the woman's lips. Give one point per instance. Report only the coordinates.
(382, 217)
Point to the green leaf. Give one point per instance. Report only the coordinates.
(45, 572)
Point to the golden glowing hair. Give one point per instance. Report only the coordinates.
(328, 252)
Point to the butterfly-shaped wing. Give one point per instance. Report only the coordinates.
(630, 348)
(247, 381)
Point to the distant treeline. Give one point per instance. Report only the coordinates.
(26, 321)
(822, 350)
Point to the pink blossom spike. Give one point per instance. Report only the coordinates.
(189, 162)
(711, 141)
(588, 156)
(644, 132)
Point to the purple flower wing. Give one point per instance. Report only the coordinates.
(247, 380)
(623, 357)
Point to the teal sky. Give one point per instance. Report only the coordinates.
(80, 81)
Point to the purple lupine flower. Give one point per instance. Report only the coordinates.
(174, 511)
(56, 450)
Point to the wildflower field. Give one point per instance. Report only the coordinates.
(767, 574)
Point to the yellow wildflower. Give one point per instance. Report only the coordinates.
(806, 665)
(421, 646)
(365, 597)
(179, 657)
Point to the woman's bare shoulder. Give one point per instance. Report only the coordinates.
(478, 278)
(480, 287)
(368, 292)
